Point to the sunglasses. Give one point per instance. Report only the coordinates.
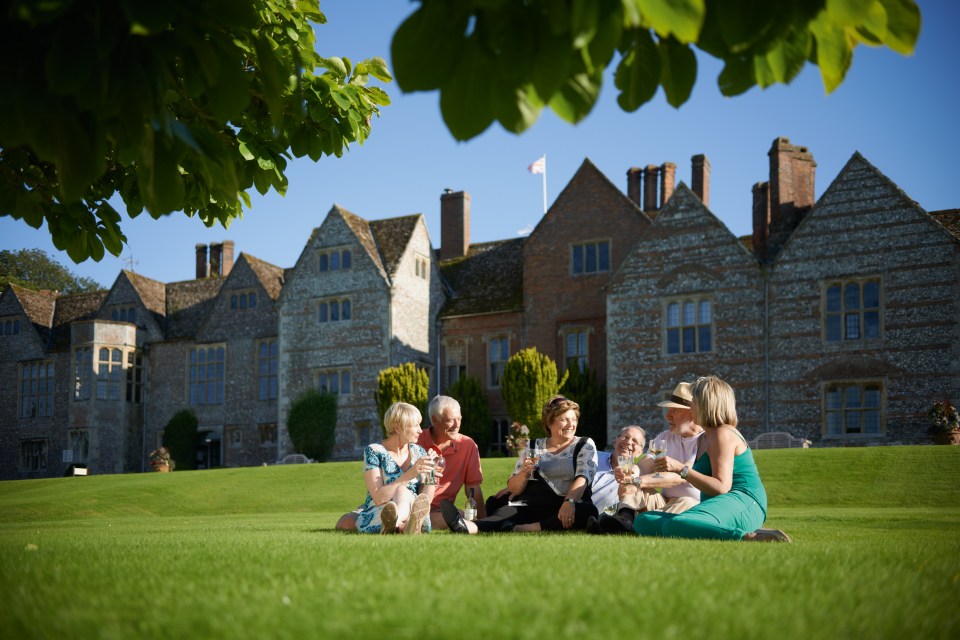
(556, 402)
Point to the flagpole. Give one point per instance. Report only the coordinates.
(544, 184)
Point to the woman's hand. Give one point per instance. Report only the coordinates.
(624, 478)
(566, 513)
(528, 466)
(666, 463)
(421, 466)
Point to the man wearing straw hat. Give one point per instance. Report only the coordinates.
(667, 492)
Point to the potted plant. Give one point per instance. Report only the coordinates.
(944, 422)
(160, 460)
(518, 438)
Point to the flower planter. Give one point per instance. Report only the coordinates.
(161, 468)
(947, 437)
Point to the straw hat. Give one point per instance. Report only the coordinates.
(681, 398)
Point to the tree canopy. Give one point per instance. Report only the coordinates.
(34, 269)
(186, 106)
(172, 106)
(505, 61)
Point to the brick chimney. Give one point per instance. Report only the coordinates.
(634, 185)
(216, 254)
(226, 263)
(792, 174)
(202, 266)
(454, 224)
(701, 178)
(650, 187)
(761, 219)
(668, 172)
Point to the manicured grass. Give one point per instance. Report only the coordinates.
(250, 553)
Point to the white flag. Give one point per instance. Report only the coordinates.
(540, 166)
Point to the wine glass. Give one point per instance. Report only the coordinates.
(440, 463)
(658, 448)
(535, 452)
(625, 462)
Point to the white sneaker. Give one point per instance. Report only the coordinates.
(418, 513)
(388, 516)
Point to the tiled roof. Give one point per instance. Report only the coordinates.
(38, 305)
(82, 306)
(270, 276)
(950, 219)
(392, 237)
(187, 305)
(152, 292)
(488, 279)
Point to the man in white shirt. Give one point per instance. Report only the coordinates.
(669, 492)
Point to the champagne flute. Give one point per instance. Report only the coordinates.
(658, 447)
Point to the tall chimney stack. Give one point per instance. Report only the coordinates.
(216, 255)
(202, 265)
(701, 178)
(792, 194)
(650, 187)
(761, 219)
(634, 185)
(226, 263)
(454, 224)
(668, 172)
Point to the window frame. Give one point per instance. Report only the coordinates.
(879, 408)
(42, 455)
(9, 326)
(843, 315)
(341, 373)
(217, 381)
(83, 373)
(495, 367)
(582, 334)
(325, 259)
(682, 327)
(602, 248)
(39, 396)
(270, 377)
(452, 348)
(325, 309)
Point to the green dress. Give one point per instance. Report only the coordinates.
(728, 516)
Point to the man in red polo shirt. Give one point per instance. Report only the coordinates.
(460, 455)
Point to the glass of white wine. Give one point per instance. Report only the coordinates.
(536, 452)
(658, 448)
(625, 462)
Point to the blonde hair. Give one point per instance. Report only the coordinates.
(714, 403)
(399, 416)
(557, 406)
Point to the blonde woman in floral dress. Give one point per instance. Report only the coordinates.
(393, 470)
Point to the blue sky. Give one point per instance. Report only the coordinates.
(899, 112)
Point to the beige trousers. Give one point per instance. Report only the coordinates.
(650, 500)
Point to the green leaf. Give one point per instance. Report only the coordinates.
(583, 22)
(80, 157)
(519, 109)
(737, 77)
(784, 61)
(848, 13)
(427, 47)
(467, 105)
(903, 25)
(377, 67)
(335, 65)
(273, 75)
(678, 71)
(741, 25)
(682, 19)
(158, 177)
(638, 74)
(552, 60)
(833, 50)
(577, 96)
(230, 94)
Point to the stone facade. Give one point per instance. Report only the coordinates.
(838, 321)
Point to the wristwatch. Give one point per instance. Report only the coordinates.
(685, 471)
(637, 482)
(570, 500)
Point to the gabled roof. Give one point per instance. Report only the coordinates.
(270, 276)
(361, 229)
(392, 237)
(82, 306)
(949, 219)
(38, 305)
(187, 305)
(489, 279)
(153, 294)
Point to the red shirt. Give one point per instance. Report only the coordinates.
(462, 468)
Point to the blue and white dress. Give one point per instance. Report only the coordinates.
(375, 456)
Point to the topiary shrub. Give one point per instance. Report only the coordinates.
(403, 383)
(180, 437)
(312, 424)
(529, 380)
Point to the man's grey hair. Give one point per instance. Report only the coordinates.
(643, 433)
(439, 404)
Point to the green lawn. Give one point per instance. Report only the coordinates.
(250, 553)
